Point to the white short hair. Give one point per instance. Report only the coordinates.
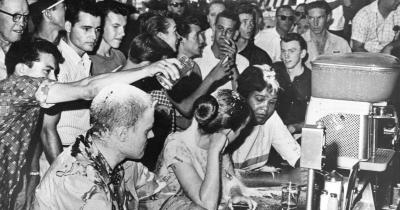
(118, 105)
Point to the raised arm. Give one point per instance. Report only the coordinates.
(88, 88)
(219, 72)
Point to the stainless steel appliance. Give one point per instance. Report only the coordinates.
(347, 92)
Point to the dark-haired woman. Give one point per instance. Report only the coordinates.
(195, 166)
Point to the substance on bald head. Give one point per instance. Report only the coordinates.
(118, 105)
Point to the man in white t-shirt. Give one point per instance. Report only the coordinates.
(258, 85)
(223, 48)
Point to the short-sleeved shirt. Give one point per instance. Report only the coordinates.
(255, 55)
(208, 61)
(255, 149)
(293, 95)
(181, 147)
(19, 112)
(103, 64)
(74, 120)
(370, 28)
(80, 178)
(334, 45)
(269, 40)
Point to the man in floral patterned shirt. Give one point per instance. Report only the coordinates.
(27, 89)
(91, 173)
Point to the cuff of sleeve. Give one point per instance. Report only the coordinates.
(42, 93)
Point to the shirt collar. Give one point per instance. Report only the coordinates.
(307, 36)
(88, 149)
(70, 54)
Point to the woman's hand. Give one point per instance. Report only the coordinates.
(168, 67)
(232, 135)
(242, 200)
(218, 142)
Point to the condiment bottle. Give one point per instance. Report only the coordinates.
(334, 185)
(323, 201)
(333, 202)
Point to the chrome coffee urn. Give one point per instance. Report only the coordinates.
(349, 98)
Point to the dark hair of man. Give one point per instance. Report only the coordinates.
(244, 8)
(214, 2)
(155, 24)
(283, 7)
(295, 37)
(301, 5)
(74, 7)
(183, 27)
(145, 47)
(319, 4)
(37, 17)
(112, 6)
(252, 79)
(28, 51)
(170, 1)
(229, 15)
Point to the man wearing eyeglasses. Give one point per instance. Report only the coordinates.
(13, 19)
(319, 40)
(269, 39)
(214, 8)
(177, 7)
(48, 16)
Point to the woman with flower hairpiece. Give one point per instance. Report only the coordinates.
(195, 164)
(258, 85)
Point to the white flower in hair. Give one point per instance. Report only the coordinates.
(269, 75)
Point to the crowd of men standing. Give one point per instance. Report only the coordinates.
(72, 49)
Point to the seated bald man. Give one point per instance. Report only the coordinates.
(92, 173)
